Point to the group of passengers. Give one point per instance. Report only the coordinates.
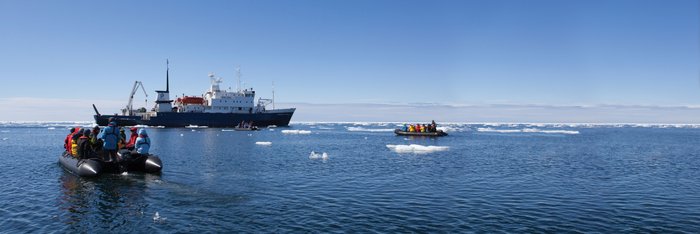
(104, 143)
(431, 127)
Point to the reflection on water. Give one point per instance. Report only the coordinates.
(109, 202)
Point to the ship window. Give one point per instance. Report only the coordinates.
(239, 108)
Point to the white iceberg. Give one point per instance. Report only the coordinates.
(417, 149)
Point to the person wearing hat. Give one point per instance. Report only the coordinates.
(74, 142)
(132, 138)
(143, 143)
(67, 141)
(84, 147)
(122, 139)
(110, 138)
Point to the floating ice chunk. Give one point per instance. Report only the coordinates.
(296, 131)
(323, 156)
(182, 134)
(263, 143)
(365, 138)
(195, 126)
(51, 128)
(314, 155)
(125, 173)
(361, 129)
(416, 149)
(5, 138)
(5, 131)
(227, 130)
(272, 129)
(194, 130)
(449, 129)
(158, 219)
(250, 134)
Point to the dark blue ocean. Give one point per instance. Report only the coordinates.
(480, 178)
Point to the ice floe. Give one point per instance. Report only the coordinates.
(263, 143)
(323, 156)
(296, 131)
(158, 219)
(417, 149)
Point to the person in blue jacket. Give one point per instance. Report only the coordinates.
(110, 136)
(143, 143)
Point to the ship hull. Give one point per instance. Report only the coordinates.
(216, 120)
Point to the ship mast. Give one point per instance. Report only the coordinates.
(273, 95)
(238, 75)
(167, 76)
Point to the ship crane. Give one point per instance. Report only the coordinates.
(129, 108)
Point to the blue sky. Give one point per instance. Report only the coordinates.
(552, 53)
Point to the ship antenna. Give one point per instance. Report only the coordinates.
(167, 76)
(273, 95)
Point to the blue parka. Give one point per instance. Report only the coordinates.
(110, 136)
(143, 143)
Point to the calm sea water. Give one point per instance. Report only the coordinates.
(512, 178)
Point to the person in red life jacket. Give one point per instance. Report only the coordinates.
(66, 142)
(70, 138)
(132, 138)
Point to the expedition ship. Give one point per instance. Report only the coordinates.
(215, 108)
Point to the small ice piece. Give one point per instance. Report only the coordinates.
(272, 129)
(227, 130)
(322, 156)
(250, 134)
(158, 219)
(365, 138)
(125, 173)
(263, 143)
(194, 130)
(51, 128)
(4, 139)
(182, 134)
(314, 155)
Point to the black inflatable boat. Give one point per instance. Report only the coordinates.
(96, 166)
(430, 134)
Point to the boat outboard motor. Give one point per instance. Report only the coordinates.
(153, 164)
